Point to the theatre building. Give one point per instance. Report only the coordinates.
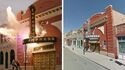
(105, 33)
(41, 37)
(37, 45)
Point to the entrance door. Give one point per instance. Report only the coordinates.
(44, 60)
(122, 50)
(95, 47)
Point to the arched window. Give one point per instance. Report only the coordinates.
(6, 60)
(12, 56)
(1, 57)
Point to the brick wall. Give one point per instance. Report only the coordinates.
(41, 6)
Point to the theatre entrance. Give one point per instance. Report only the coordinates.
(45, 60)
(95, 47)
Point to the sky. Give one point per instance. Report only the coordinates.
(16, 6)
(76, 12)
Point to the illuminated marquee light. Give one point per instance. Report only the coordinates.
(93, 37)
(39, 39)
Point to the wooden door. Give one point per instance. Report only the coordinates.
(44, 61)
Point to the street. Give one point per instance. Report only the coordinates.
(75, 62)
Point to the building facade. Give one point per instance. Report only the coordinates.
(7, 51)
(74, 39)
(48, 20)
(46, 55)
(103, 29)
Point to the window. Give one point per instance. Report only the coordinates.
(6, 60)
(1, 57)
(74, 42)
(12, 56)
(123, 38)
(77, 43)
(104, 44)
(119, 38)
(81, 42)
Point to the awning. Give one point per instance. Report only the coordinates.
(120, 34)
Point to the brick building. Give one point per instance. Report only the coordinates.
(8, 50)
(48, 20)
(104, 30)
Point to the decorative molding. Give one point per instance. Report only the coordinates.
(99, 21)
(46, 14)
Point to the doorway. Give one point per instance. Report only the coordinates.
(95, 47)
(44, 60)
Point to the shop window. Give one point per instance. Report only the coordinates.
(1, 57)
(12, 56)
(77, 43)
(123, 38)
(122, 48)
(119, 38)
(104, 44)
(81, 43)
(74, 42)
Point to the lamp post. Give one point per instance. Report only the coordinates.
(25, 55)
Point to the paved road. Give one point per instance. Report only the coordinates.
(75, 62)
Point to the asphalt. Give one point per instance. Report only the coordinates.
(73, 61)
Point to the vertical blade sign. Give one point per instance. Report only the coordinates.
(32, 22)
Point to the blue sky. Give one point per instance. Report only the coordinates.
(76, 12)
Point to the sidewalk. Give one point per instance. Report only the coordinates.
(102, 60)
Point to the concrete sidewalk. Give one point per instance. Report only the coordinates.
(102, 60)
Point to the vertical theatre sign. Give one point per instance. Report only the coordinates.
(32, 37)
(32, 25)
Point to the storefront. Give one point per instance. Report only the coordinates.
(120, 40)
(74, 39)
(93, 42)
